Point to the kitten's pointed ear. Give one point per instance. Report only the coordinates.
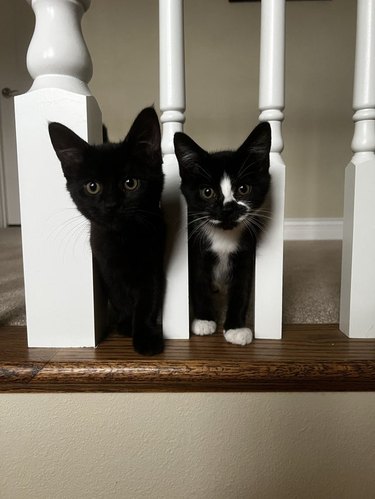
(70, 148)
(188, 152)
(144, 136)
(254, 152)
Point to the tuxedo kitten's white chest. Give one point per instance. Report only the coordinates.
(223, 243)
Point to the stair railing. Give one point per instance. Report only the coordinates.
(62, 299)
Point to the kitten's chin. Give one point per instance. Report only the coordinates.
(227, 225)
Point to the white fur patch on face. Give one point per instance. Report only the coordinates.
(226, 189)
(203, 328)
(241, 336)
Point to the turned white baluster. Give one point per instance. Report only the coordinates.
(269, 258)
(172, 106)
(357, 303)
(58, 268)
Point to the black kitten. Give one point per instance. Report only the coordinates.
(224, 193)
(117, 187)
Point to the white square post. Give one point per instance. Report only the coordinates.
(63, 306)
(357, 301)
(269, 256)
(172, 106)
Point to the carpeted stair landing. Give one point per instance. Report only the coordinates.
(311, 281)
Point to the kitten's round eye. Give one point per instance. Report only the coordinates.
(207, 192)
(244, 189)
(93, 188)
(131, 184)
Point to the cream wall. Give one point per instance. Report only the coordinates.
(222, 59)
(184, 446)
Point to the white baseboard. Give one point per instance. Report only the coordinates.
(308, 229)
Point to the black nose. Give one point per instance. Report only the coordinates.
(230, 207)
(231, 210)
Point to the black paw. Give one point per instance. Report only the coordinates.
(148, 344)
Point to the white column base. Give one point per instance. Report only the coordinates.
(357, 303)
(269, 260)
(58, 268)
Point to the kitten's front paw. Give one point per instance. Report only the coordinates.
(240, 336)
(148, 344)
(203, 328)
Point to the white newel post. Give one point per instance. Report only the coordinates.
(58, 268)
(269, 258)
(172, 106)
(357, 303)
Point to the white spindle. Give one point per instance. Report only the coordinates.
(172, 106)
(269, 259)
(58, 267)
(357, 304)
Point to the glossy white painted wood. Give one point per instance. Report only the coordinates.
(357, 302)
(58, 269)
(269, 259)
(172, 106)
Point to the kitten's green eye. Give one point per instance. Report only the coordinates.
(244, 189)
(93, 188)
(207, 192)
(131, 184)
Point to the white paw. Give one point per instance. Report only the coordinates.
(202, 328)
(240, 336)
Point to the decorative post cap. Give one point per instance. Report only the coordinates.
(58, 56)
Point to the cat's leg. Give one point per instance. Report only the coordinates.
(235, 330)
(201, 295)
(147, 333)
(122, 304)
(124, 325)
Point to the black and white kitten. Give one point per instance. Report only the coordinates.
(117, 187)
(224, 192)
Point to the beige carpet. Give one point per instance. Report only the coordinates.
(311, 281)
(12, 298)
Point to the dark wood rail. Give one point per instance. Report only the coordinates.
(308, 358)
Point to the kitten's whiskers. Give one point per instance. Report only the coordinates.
(257, 219)
(199, 230)
(70, 233)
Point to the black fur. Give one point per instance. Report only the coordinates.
(127, 227)
(200, 170)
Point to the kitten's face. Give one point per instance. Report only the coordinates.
(225, 189)
(113, 183)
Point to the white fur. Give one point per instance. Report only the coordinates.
(240, 336)
(226, 189)
(223, 244)
(203, 328)
(224, 241)
(221, 271)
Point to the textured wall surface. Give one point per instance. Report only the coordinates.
(203, 446)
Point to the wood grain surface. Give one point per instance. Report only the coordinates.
(308, 358)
